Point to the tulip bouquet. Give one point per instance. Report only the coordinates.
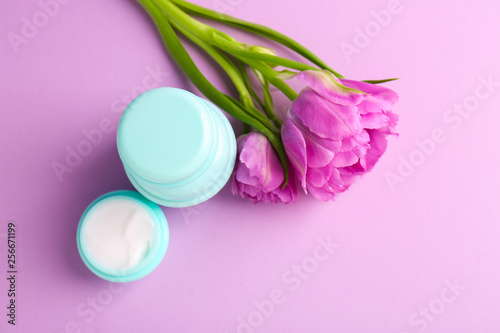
(334, 131)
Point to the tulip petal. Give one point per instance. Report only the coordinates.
(347, 178)
(292, 188)
(317, 155)
(369, 106)
(378, 146)
(335, 183)
(359, 141)
(295, 147)
(321, 193)
(357, 168)
(384, 96)
(244, 176)
(287, 195)
(234, 184)
(344, 159)
(262, 162)
(391, 126)
(325, 119)
(329, 87)
(374, 120)
(318, 177)
(250, 192)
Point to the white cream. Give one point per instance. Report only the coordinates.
(118, 233)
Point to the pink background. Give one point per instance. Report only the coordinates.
(399, 249)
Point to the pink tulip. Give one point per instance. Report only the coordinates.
(336, 130)
(258, 174)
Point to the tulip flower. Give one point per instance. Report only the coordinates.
(258, 174)
(336, 130)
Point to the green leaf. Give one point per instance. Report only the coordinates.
(380, 81)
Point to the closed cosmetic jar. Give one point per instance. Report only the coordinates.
(177, 149)
(122, 236)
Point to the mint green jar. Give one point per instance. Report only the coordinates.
(96, 236)
(177, 149)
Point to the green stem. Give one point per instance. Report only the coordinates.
(270, 74)
(255, 28)
(238, 49)
(267, 71)
(220, 59)
(244, 75)
(178, 16)
(246, 128)
(269, 105)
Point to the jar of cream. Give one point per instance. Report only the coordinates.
(177, 149)
(122, 236)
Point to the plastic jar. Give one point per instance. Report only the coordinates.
(177, 149)
(122, 236)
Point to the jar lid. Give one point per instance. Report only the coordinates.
(165, 135)
(122, 236)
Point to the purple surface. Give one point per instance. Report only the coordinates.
(398, 249)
